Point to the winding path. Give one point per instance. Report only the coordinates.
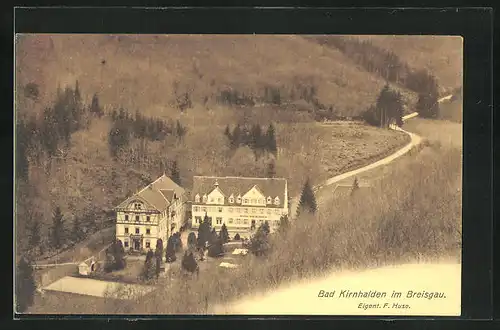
(414, 141)
(302, 298)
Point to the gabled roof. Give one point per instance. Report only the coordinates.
(274, 187)
(158, 194)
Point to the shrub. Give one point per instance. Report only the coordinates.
(192, 241)
(189, 262)
(216, 250)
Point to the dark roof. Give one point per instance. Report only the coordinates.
(158, 194)
(168, 194)
(273, 187)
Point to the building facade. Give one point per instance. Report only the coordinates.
(155, 212)
(242, 204)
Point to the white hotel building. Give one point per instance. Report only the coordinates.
(157, 211)
(243, 204)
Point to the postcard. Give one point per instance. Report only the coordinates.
(176, 174)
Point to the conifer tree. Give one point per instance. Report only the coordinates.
(307, 202)
(271, 139)
(149, 270)
(25, 285)
(427, 104)
(224, 234)
(192, 241)
(216, 250)
(213, 237)
(95, 108)
(237, 137)
(189, 262)
(34, 234)
(77, 232)
(174, 173)
(170, 251)
(256, 137)
(57, 232)
(227, 133)
(284, 224)
(259, 243)
(204, 232)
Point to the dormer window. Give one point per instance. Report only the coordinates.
(197, 198)
(238, 200)
(269, 200)
(204, 198)
(231, 199)
(276, 201)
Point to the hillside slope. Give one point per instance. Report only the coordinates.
(441, 55)
(138, 72)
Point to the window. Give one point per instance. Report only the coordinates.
(261, 211)
(197, 219)
(148, 231)
(126, 217)
(277, 201)
(254, 210)
(220, 209)
(218, 221)
(245, 210)
(230, 220)
(230, 210)
(238, 221)
(211, 200)
(277, 211)
(231, 199)
(269, 200)
(126, 230)
(137, 206)
(196, 208)
(148, 244)
(137, 230)
(238, 200)
(197, 198)
(218, 200)
(204, 209)
(148, 218)
(126, 243)
(268, 211)
(239, 210)
(137, 218)
(204, 198)
(246, 200)
(245, 221)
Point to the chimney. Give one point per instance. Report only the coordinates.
(216, 184)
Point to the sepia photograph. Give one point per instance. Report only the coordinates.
(238, 174)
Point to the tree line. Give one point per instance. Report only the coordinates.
(125, 127)
(50, 133)
(253, 137)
